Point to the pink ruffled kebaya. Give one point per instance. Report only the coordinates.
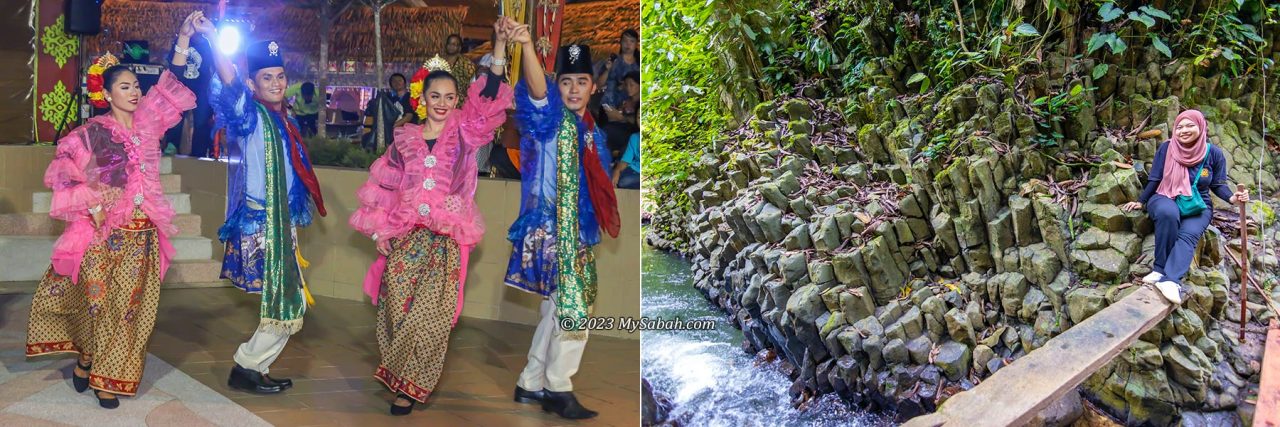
(413, 185)
(104, 164)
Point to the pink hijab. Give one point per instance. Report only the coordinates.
(1179, 158)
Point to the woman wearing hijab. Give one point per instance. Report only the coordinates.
(1180, 212)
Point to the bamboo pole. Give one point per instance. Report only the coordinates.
(1244, 262)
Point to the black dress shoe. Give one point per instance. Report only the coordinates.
(81, 384)
(526, 396)
(566, 405)
(398, 410)
(251, 381)
(112, 403)
(285, 383)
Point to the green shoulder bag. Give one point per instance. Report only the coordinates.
(1194, 204)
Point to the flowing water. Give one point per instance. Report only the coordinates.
(706, 374)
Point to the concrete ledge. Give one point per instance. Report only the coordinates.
(27, 257)
(40, 224)
(181, 202)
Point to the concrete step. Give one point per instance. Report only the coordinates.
(27, 257)
(171, 183)
(181, 202)
(166, 165)
(40, 224)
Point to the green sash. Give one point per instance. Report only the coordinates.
(283, 301)
(575, 277)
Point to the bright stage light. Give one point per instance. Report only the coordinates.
(229, 39)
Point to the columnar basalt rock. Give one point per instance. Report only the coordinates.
(873, 259)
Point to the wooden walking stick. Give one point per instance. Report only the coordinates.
(1244, 262)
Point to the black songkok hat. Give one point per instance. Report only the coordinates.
(264, 54)
(573, 59)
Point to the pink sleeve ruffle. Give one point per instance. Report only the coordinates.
(379, 198)
(481, 116)
(72, 193)
(162, 108)
(467, 228)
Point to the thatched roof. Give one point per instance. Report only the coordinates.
(598, 24)
(409, 33)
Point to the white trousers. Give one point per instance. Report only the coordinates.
(552, 359)
(261, 351)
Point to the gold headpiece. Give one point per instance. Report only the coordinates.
(437, 63)
(107, 60)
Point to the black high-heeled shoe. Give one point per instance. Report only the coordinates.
(81, 384)
(112, 403)
(398, 410)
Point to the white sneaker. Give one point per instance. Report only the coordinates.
(1152, 278)
(1170, 291)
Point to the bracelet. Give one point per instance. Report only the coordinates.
(185, 52)
(499, 62)
(375, 237)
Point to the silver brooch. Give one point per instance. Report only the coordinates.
(136, 141)
(424, 210)
(574, 52)
(428, 184)
(143, 167)
(429, 161)
(273, 49)
(137, 199)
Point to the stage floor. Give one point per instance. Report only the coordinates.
(331, 363)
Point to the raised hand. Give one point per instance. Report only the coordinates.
(520, 34)
(500, 30)
(188, 29)
(204, 26)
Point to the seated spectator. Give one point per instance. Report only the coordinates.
(626, 171)
(623, 120)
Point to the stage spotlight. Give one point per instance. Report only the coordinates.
(229, 39)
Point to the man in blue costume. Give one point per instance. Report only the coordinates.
(566, 199)
(270, 191)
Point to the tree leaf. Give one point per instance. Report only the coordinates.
(1155, 12)
(1143, 18)
(1075, 90)
(1100, 70)
(1229, 54)
(1109, 12)
(1117, 45)
(917, 77)
(1160, 46)
(1249, 34)
(1097, 40)
(1026, 29)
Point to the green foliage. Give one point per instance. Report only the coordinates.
(1052, 110)
(704, 68)
(340, 153)
(1115, 31)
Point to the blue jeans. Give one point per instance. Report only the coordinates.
(629, 179)
(1176, 236)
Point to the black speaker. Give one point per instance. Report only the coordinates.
(84, 17)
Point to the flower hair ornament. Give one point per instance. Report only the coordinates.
(94, 81)
(416, 84)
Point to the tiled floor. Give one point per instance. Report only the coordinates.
(332, 360)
